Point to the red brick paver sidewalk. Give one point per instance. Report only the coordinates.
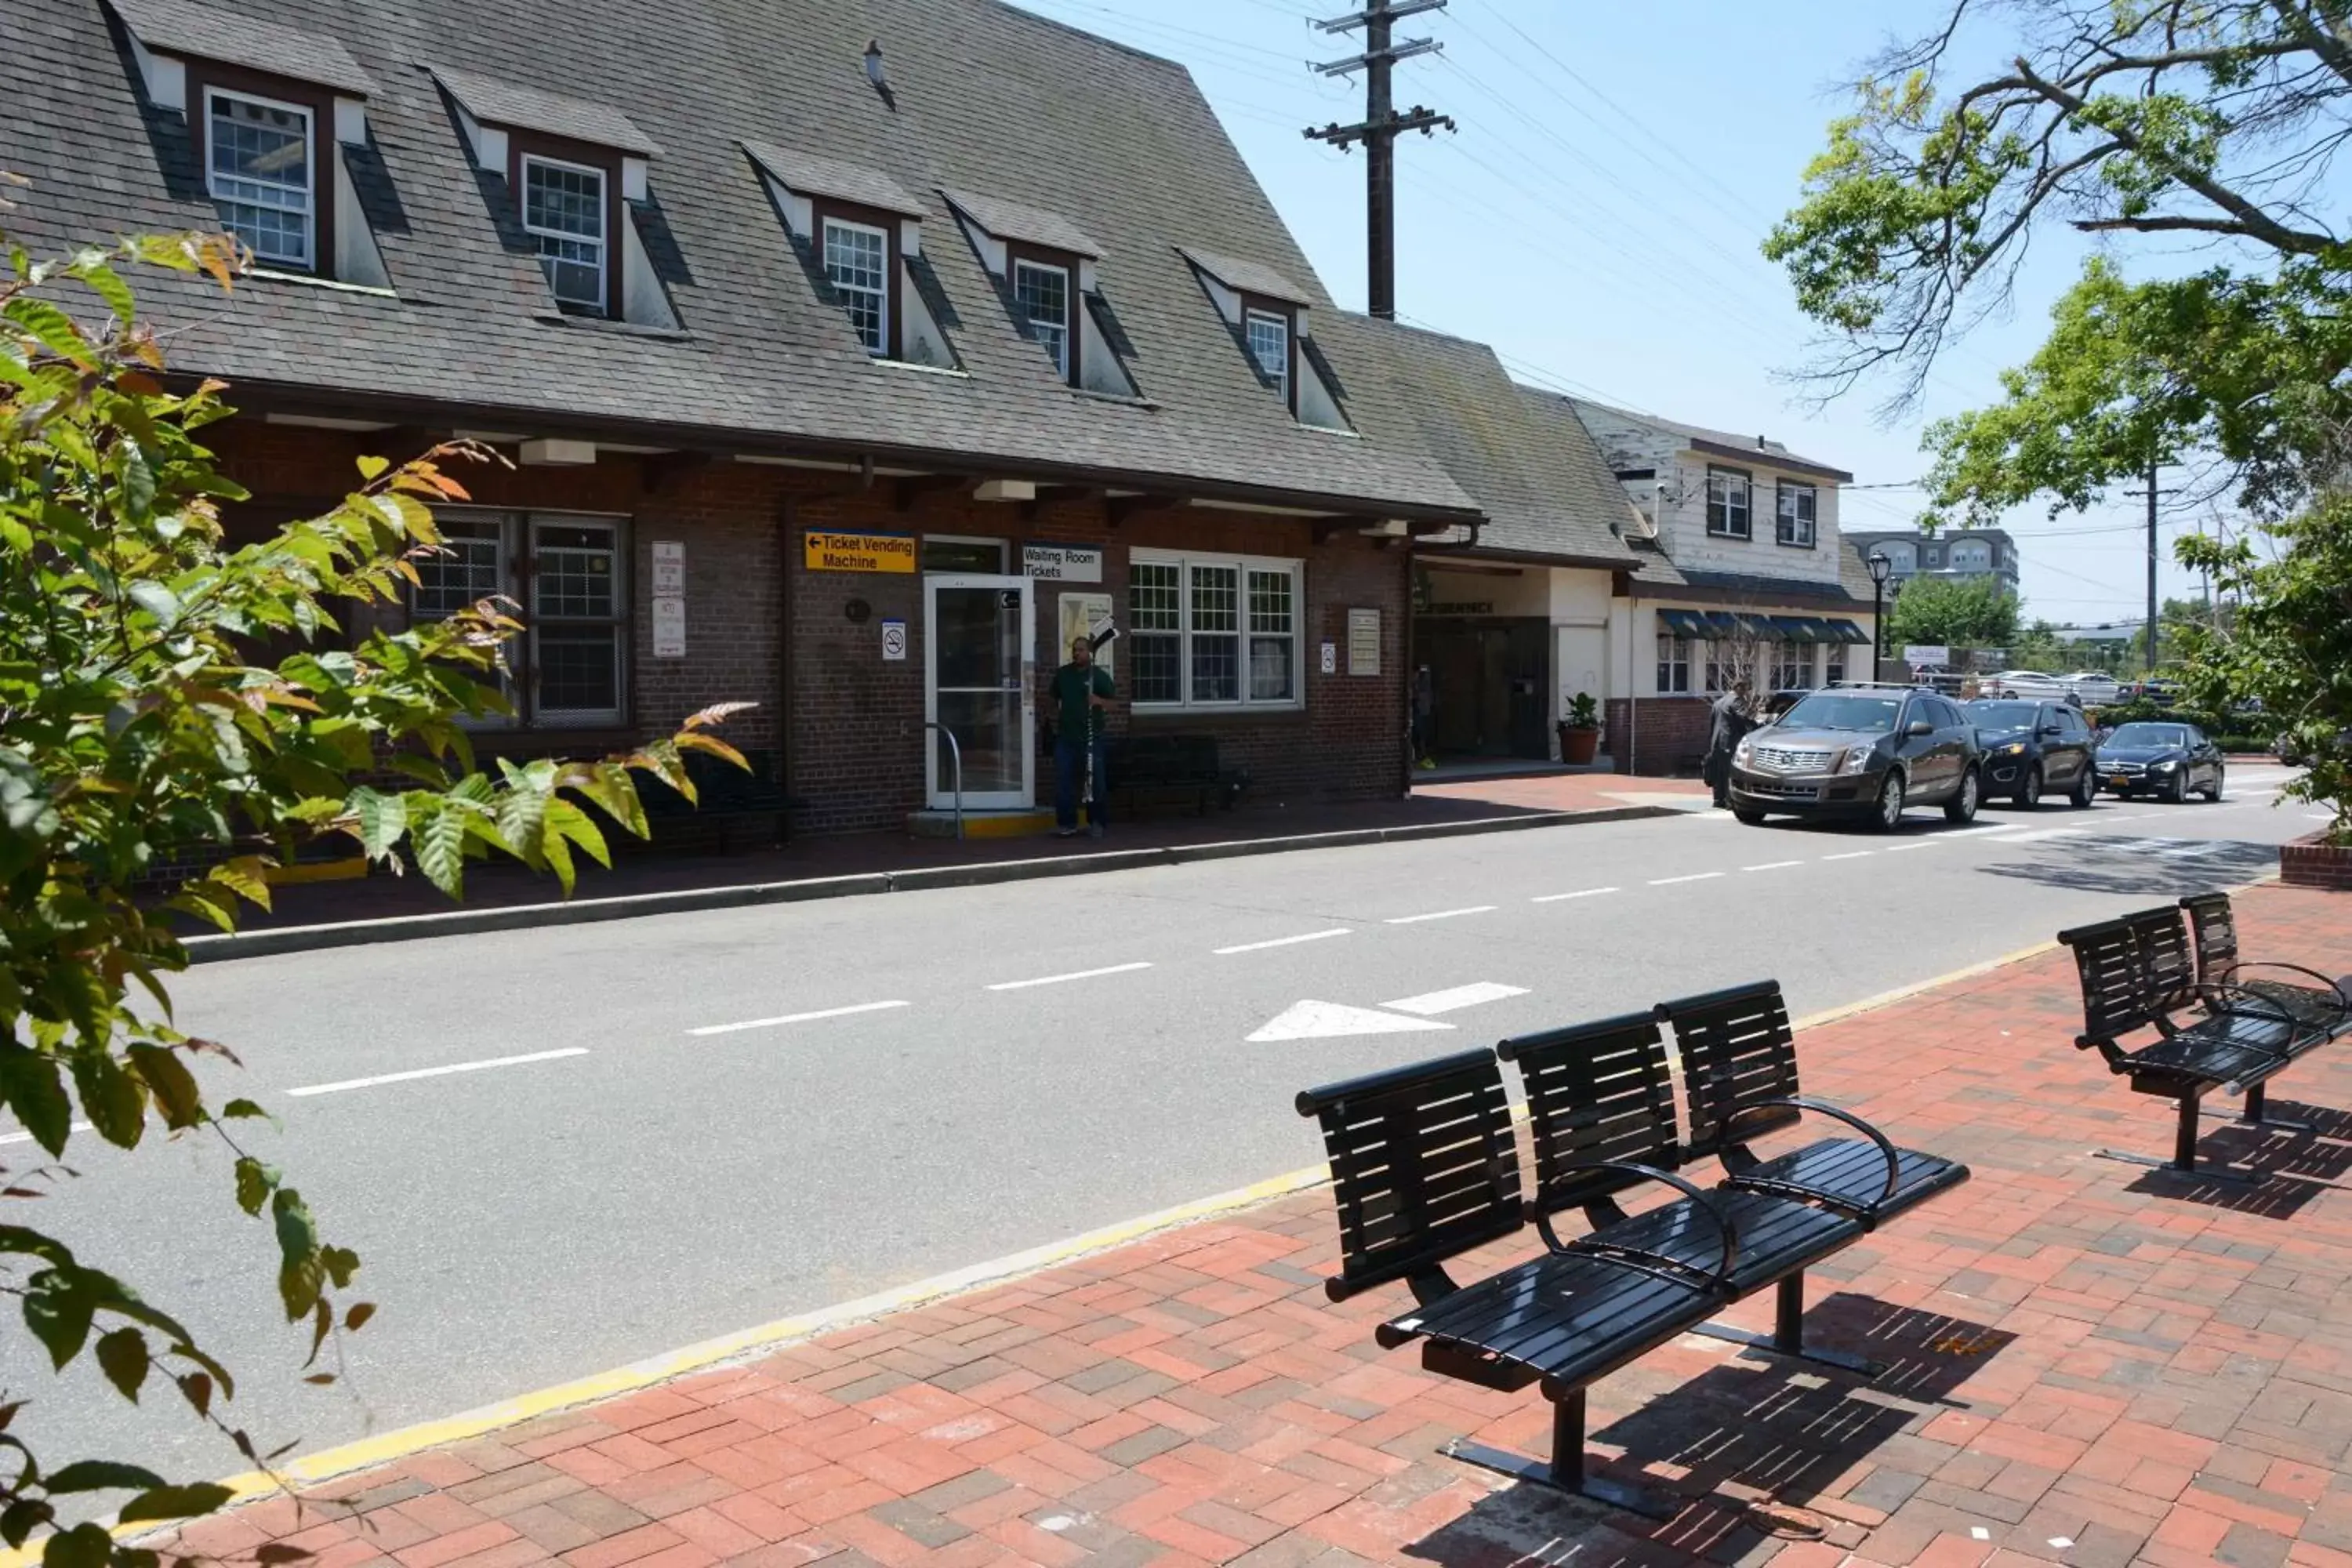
(2089, 1364)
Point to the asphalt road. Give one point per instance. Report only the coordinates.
(672, 1128)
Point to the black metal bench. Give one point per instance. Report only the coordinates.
(1601, 1113)
(2238, 1051)
(2213, 932)
(732, 798)
(1170, 770)
(1739, 1077)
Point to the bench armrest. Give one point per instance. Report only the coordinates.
(2334, 987)
(1805, 1102)
(1725, 1230)
(2250, 1004)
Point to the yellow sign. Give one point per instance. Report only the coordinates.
(860, 551)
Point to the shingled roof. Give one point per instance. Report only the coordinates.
(983, 99)
(214, 33)
(1521, 453)
(1726, 444)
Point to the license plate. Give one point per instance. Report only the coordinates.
(2119, 781)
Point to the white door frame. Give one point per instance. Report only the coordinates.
(938, 789)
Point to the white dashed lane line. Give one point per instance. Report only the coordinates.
(1280, 941)
(1077, 975)
(1693, 877)
(1438, 915)
(1849, 855)
(1580, 893)
(415, 1073)
(1772, 865)
(27, 1138)
(797, 1018)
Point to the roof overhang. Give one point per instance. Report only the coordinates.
(1766, 458)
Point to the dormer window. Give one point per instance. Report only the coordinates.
(1267, 315)
(261, 170)
(1269, 345)
(1044, 268)
(856, 258)
(860, 233)
(563, 212)
(1042, 300)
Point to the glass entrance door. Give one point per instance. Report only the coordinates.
(978, 634)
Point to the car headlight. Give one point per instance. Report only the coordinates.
(2165, 766)
(1856, 758)
(1740, 754)
(2014, 749)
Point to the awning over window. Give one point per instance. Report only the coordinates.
(1846, 631)
(1722, 624)
(1763, 628)
(1802, 629)
(1683, 623)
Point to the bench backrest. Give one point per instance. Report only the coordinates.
(2213, 932)
(2169, 964)
(1424, 1166)
(2114, 979)
(1737, 1050)
(1595, 1091)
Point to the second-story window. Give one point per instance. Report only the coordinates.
(564, 213)
(1040, 295)
(1728, 501)
(1269, 345)
(1796, 505)
(258, 167)
(858, 260)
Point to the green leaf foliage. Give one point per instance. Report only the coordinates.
(1959, 611)
(168, 700)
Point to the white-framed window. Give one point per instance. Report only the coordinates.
(1971, 558)
(1795, 504)
(564, 213)
(858, 260)
(259, 168)
(1674, 663)
(1730, 495)
(1269, 346)
(1041, 294)
(571, 573)
(1213, 632)
(1834, 665)
(1727, 663)
(1792, 666)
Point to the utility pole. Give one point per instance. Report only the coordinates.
(2152, 493)
(1379, 130)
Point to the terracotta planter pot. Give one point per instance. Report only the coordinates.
(2310, 863)
(1579, 747)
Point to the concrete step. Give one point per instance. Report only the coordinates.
(1020, 822)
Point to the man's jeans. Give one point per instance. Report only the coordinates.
(1069, 770)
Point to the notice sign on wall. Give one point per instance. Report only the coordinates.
(669, 626)
(669, 566)
(859, 551)
(1330, 658)
(1084, 615)
(1363, 642)
(1062, 562)
(893, 642)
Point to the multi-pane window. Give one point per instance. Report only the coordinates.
(564, 213)
(1214, 633)
(257, 167)
(1792, 666)
(1040, 296)
(1728, 501)
(858, 260)
(1729, 663)
(1269, 345)
(1796, 503)
(1674, 663)
(1833, 667)
(569, 573)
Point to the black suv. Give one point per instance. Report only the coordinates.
(1861, 752)
(2031, 747)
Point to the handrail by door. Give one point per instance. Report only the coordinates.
(955, 766)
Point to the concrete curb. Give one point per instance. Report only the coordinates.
(267, 942)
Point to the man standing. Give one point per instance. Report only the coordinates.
(1079, 691)
(1728, 721)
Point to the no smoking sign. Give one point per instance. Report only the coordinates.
(894, 640)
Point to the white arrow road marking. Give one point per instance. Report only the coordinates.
(1326, 1020)
(1460, 996)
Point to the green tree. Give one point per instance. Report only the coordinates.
(140, 728)
(1960, 612)
(2218, 119)
(2288, 647)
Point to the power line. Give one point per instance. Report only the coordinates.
(1379, 130)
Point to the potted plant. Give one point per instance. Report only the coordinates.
(1580, 732)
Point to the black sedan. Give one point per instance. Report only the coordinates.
(2166, 760)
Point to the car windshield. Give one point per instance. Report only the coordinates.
(1841, 710)
(2003, 715)
(2148, 735)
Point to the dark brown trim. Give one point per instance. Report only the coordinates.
(1470, 555)
(1778, 485)
(1765, 457)
(1066, 263)
(326, 152)
(581, 154)
(905, 492)
(894, 329)
(1264, 305)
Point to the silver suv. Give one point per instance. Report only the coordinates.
(1861, 753)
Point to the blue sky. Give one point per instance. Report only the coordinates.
(1596, 216)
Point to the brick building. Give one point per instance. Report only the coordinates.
(846, 359)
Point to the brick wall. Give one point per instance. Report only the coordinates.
(2313, 863)
(1672, 739)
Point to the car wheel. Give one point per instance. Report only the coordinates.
(1962, 806)
(2085, 786)
(2176, 791)
(1748, 818)
(1890, 803)
(2213, 790)
(2029, 793)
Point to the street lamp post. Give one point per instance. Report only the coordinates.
(1880, 569)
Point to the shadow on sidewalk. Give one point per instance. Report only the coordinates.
(2295, 1168)
(1765, 1426)
(2141, 867)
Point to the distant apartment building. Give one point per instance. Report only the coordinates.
(1912, 552)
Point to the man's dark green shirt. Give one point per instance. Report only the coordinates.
(1070, 684)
